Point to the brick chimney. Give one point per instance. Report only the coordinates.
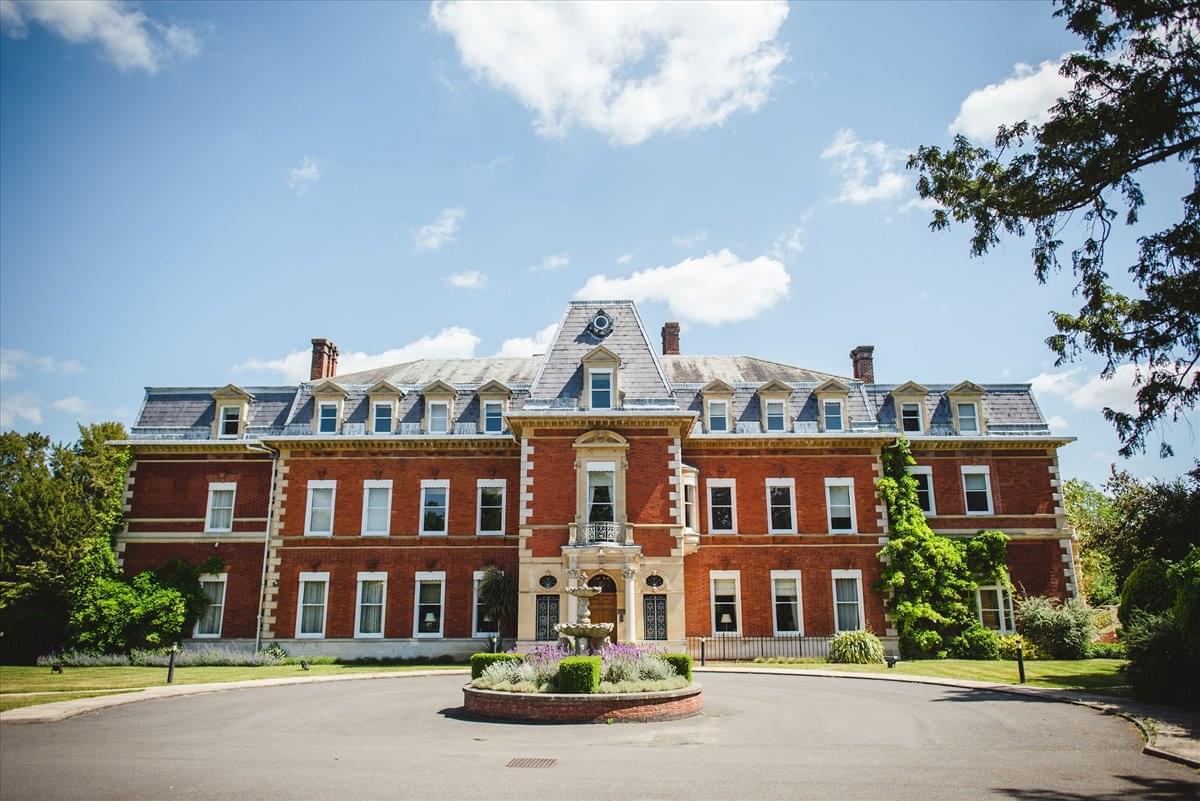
(670, 339)
(863, 360)
(324, 359)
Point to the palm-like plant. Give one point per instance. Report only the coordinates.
(498, 599)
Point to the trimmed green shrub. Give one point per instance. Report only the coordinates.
(856, 648)
(644, 686)
(1106, 650)
(1159, 667)
(578, 674)
(976, 642)
(1146, 590)
(1185, 577)
(481, 661)
(1060, 631)
(1008, 647)
(681, 663)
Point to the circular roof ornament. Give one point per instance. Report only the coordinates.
(601, 324)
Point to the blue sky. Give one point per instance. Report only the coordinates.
(189, 192)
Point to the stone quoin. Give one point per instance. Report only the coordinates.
(705, 496)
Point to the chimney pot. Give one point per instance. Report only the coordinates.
(670, 339)
(324, 359)
(862, 359)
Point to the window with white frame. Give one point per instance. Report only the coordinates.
(995, 609)
(318, 518)
(848, 600)
(690, 518)
(839, 501)
(327, 421)
(977, 489)
(726, 602)
(439, 417)
(600, 390)
(377, 508)
(910, 418)
(776, 421)
(435, 506)
(781, 505)
(213, 587)
(722, 506)
(369, 604)
(601, 492)
(718, 416)
(489, 511)
(968, 418)
(924, 478)
(383, 418)
(788, 614)
(485, 623)
(310, 605)
(833, 415)
(221, 495)
(231, 421)
(493, 417)
(430, 595)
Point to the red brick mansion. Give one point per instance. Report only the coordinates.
(705, 495)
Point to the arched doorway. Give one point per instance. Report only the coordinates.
(603, 607)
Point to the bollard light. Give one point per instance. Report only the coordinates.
(891, 661)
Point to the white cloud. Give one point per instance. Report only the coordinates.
(1057, 423)
(1027, 94)
(127, 37)
(21, 406)
(440, 231)
(72, 405)
(1094, 394)
(627, 70)
(716, 288)
(688, 242)
(870, 170)
(12, 362)
(625, 258)
(304, 175)
(454, 342)
(792, 240)
(529, 346)
(470, 279)
(552, 262)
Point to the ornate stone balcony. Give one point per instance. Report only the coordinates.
(601, 534)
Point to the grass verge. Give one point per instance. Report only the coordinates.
(8, 702)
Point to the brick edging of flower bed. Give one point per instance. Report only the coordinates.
(685, 702)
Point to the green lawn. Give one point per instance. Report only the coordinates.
(1083, 674)
(20, 679)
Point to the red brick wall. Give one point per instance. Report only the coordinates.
(243, 564)
(1036, 568)
(343, 565)
(751, 470)
(406, 475)
(179, 489)
(755, 566)
(1020, 488)
(597, 708)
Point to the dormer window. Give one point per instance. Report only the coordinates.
(231, 421)
(382, 418)
(834, 419)
(718, 416)
(910, 418)
(439, 417)
(776, 417)
(966, 408)
(493, 417)
(327, 422)
(600, 391)
(968, 418)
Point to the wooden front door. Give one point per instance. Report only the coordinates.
(603, 609)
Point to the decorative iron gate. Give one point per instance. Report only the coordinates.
(547, 617)
(654, 614)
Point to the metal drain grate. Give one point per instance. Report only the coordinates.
(531, 762)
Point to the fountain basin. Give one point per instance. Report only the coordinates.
(678, 704)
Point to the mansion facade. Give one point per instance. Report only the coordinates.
(706, 496)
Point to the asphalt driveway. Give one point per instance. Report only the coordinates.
(761, 737)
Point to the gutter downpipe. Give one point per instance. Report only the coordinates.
(262, 589)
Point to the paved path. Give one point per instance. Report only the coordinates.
(762, 737)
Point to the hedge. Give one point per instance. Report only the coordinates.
(578, 674)
(480, 662)
(682, 663)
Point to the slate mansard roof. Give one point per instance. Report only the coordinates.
(552, 383)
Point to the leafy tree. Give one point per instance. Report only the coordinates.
(184, 577)
(1151, 519)
(1090, 512)
(59, 508)
(114, 616)
(1134, 105)
(498, 597)
(932, 579)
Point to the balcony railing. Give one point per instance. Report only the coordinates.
(591, 533)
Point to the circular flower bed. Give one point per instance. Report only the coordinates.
(617, 682)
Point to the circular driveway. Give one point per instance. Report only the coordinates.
(761, 737)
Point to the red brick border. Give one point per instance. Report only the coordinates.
(577, 708)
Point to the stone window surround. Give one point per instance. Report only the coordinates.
(927, 471)
(212, 578)
(330, 484)
(492, 392)
(214, 487)
(967, 392)
(986, 472)
(862, 610)
(229, 396)
(774, 391)
(369, 576)
(840, 482)
(833, 390)
(427, 484)
(790, 484)
(491, 483)
(368, 485)
(712, 483)
(601, 359)
(787, 575)
(911, 392)
(322, 577)
(325, 392)
(713, 577)
(605, 449)
(422, 577)
(438, 392)
(383, 392)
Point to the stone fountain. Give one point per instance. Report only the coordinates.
(583, 633)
